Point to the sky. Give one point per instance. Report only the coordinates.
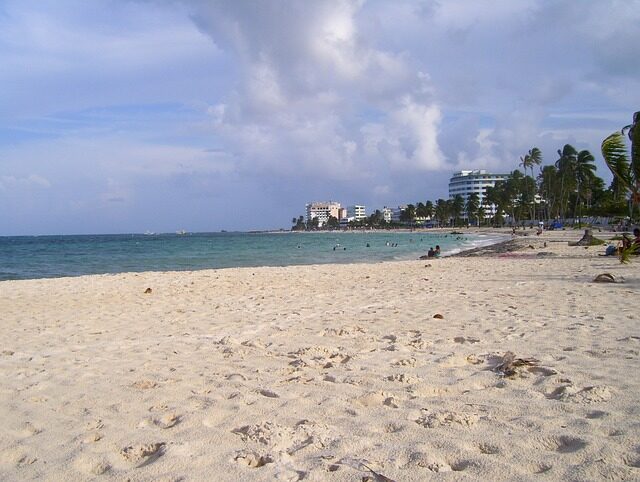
(120, 116)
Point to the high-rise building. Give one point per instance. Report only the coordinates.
(357, 212)
(466, 182)
(386, 214)
(322, 211)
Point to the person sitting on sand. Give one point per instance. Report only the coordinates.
(431, 253)
(436, 253)
(611, 250)
(634, 243)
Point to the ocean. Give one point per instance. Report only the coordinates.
(31, 257)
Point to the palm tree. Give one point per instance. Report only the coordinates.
(496, 196)
(442, 211)
(408, 214)
(473, 203)
(428, 209)
(457, 206)
(633, 131)
(625, 169)
(566, 170)
(550, 190)
(480, 213)
(584, 171)
(532, 158)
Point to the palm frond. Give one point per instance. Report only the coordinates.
(634, 136)
(614, 152)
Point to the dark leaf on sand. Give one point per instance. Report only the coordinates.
(438, 316)
(375, 476)
(147, 291)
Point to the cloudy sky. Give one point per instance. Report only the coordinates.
(132, 115)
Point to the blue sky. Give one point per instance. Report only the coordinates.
(126, 116)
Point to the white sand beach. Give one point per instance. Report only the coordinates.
(324, 372)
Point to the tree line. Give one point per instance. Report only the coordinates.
(568, 188)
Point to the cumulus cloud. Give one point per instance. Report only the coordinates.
(106, 107)
(310, 80)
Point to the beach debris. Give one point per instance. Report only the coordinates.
(608, 278)
(148, 291)
(509, 364)
(427, 265)
(438, 316)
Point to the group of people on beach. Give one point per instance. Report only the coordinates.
(434, 253)
(627, 243)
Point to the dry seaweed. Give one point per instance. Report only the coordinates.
(509, 364)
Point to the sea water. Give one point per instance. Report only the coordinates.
(29, 257)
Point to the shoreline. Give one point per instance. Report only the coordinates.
(358, 259)
(314, 372)
(515, 243)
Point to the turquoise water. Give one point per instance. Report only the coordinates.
(28, 257)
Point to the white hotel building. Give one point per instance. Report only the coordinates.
(466, 182)
(322, 211)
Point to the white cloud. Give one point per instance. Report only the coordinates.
(309, 76)
(8, 183)
(110, 101)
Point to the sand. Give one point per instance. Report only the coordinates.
(327, 372)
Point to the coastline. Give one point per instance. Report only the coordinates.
(65, 256)
(317, 371)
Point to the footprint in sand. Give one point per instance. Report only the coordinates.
(442, 418)
(92, 466)
(378, 398)
(569, 393)
(466, 339)
(252, 459)
(405, 362)
(402, 378)
(144, 384)
(429, 462)
(27, 429)
(166, 421)
(563, 444)
(17, 457)
(92, 438)
(141, 455)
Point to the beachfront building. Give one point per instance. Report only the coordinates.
(466, 182)
(322, 211)
(386, 214)
(396, 213)
(357, 212)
